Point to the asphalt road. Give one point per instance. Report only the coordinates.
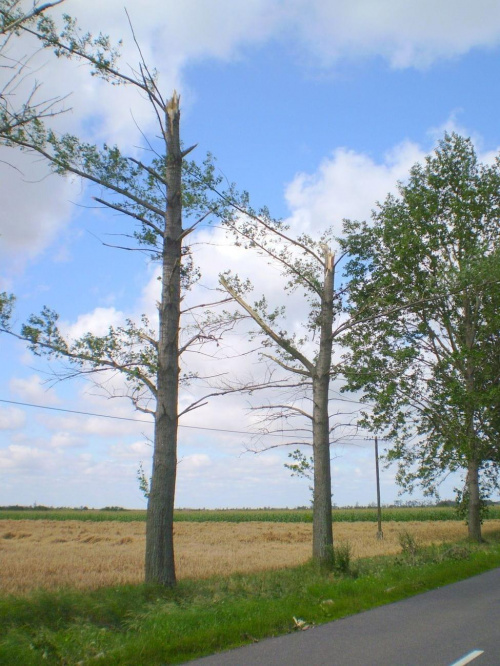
(454, 625)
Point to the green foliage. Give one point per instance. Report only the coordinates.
(409, 544)
(6, 307)
(302, 466)
(147, 624)
(431, 368)
(144, 482)
(72, 41)
(342, 558)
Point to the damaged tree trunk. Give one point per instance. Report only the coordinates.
(322, 506)
(160, 564)
(319, 372)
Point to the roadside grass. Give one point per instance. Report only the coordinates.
(149, 625)
(398, 514)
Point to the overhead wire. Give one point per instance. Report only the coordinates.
(125, 418)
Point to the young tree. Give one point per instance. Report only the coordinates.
(166, 208)
(432, 369)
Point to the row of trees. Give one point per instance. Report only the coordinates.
(412, 278)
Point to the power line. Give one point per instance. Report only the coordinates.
(74, 411)
(125, 418)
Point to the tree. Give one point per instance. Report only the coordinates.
(15, 20)
(159, 196)
(432, 369)
(309, 266)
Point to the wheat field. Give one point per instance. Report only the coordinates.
(87, 555)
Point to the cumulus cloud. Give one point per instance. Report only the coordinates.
(403, 32)
(11, 418)
(66, 440)
(33, 389)
(96, 322)
(27, 459)
(347, 185)
(140, 450)
(33, 212)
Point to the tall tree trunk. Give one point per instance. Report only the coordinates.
(474, 510)
(160, 563)
(322, 503)
(322, 507)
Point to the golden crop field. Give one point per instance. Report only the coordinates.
(50, 554)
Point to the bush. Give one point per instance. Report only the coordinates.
(342, 554)
(409, 544)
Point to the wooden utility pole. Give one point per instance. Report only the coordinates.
(380, 534)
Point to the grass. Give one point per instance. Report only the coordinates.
(398, 514)
(147, 625)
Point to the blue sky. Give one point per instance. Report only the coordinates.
(317, 109)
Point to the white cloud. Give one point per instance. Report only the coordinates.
(65, 440)
(195, 463)
(93, 425)
(96, 322)
(33, 389)
(140, 450)
(33, 212)
(27, 459)
(347, 185)
(403, 32)
(11, 418)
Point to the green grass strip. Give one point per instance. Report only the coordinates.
(149, 625)
(399, 514)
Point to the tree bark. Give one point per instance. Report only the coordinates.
(160, 563)
(322, 507)
(474, 509)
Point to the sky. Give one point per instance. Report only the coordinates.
(317, 109)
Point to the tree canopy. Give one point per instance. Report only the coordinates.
(432, 369)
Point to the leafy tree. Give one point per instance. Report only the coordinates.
(167, 204)
(432, 369)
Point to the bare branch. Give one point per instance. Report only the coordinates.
(290, 407)
(279, 340)
(130, 213)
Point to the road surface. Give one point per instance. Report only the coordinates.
(454, 625)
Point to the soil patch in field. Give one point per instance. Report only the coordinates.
(51, 554)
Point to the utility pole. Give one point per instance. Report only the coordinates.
(380, 534)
